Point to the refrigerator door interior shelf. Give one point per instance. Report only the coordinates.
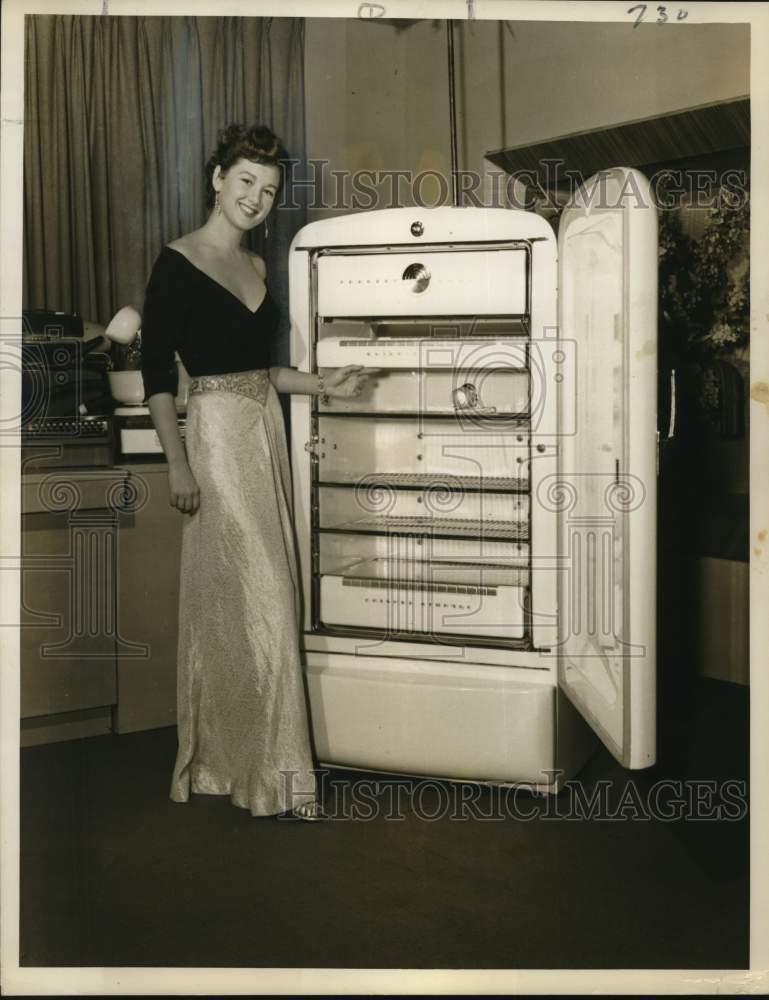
(607, 469)
(416, 283)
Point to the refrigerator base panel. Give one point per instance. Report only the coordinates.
(431, 719)
(535, 788)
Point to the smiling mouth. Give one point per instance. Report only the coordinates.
(250, 212)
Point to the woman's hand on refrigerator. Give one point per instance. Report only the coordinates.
(348, 381)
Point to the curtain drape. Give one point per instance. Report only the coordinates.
(121, 114)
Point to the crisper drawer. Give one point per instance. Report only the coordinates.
(351, 450)
(497, 392)
(427, 598)
(457, 282)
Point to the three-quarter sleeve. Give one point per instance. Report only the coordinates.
(163, 322)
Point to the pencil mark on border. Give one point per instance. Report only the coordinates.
(374, 9)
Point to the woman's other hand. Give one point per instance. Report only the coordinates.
(348, 381)
(185, 494)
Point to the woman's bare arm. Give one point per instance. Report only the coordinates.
(184, 493)
(290, 381)
(347, 381)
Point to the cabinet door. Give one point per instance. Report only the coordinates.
(149, 551)
(68, 635)
(607, 462)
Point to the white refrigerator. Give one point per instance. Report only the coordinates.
(477, 531)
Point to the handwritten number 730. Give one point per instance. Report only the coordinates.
(662, 13)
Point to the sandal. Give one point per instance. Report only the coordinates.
(311, 812)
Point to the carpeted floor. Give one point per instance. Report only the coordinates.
(115, 874)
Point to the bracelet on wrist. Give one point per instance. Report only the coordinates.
(322, 394)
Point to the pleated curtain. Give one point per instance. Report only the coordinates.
(121, 115)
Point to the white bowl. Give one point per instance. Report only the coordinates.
(127, 387)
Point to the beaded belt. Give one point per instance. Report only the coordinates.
(253, 384)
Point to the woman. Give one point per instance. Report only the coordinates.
(242, 717)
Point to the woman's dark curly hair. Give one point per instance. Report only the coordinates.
(243, 142)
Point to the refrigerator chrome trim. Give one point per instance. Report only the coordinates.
(447, 638)
(372, 481)
(538, 663)
(516, 537)
(355, 250)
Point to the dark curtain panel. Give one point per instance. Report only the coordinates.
(121, 114)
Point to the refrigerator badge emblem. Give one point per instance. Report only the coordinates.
(418, 275)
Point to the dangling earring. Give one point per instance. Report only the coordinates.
(266, 229)
(218, 204)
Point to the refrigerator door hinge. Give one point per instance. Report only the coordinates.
(311, 446)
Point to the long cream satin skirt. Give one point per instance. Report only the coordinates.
(242, 714)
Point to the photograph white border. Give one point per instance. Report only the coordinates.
(125, 981)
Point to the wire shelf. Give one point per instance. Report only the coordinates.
(424, 524)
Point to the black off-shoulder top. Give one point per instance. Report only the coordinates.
(187, 311)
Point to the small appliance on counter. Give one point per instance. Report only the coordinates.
(65, 393)
(134, 431)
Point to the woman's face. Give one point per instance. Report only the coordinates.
(247, 192)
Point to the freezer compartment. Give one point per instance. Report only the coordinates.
(414, 283)
(430, 352)
(434, 511)
(443, 720)
(428, 598)
(354, 450)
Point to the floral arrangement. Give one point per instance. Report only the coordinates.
(705, 303)
(704, 282)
